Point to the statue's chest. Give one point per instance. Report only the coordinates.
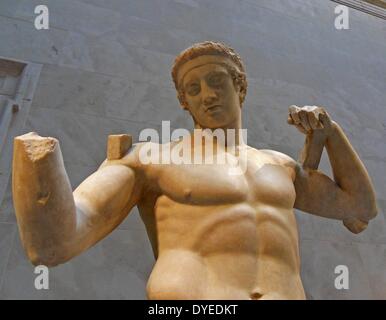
(201, 184)
(205, 184)
(272, 185)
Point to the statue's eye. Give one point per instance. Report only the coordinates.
(193, 89)
(216, 79)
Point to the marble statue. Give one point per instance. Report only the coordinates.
(214, 235)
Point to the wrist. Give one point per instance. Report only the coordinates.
(333, 130)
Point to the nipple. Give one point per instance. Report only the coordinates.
(256, 295)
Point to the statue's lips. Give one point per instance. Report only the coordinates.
(214, 108)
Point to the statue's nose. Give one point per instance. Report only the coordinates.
(209, 95)
(210, 99)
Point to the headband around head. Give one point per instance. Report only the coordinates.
(203, 60)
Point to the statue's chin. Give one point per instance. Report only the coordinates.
(214, 123)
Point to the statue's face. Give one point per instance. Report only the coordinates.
(211, 96)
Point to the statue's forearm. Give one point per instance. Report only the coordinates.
(43, 199)
(350, 174)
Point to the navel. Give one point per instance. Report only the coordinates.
(187, 193)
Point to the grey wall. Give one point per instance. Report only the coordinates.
(106, 66)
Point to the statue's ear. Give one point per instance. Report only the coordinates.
(182, 101)
(240, 93)
(237, 86)
(183, 105)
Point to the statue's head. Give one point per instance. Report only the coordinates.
(211, 83)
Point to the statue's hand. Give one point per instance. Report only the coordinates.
(310, 119)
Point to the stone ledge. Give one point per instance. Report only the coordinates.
(376, 8)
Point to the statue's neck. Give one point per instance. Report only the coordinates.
(232, 137)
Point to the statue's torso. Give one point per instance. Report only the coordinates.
(218, 236)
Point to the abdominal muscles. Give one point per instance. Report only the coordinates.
(221, 254)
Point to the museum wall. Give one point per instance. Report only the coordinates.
(106, 69)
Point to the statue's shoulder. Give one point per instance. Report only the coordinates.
(271, 156)
(280, 158)
(137, 156)
(121, 151)
(277, 155)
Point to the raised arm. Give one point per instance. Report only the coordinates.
(350, 197)
(56, 224)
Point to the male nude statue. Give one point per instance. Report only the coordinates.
(214, 235)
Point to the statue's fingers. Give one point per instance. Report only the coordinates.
(325, 119)
(293, 108)
(304, 120)
(317, 114)
(301, 128)
(291, 121)
(314, 121)
(293, 111)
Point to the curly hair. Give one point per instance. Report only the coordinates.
(211, 48)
